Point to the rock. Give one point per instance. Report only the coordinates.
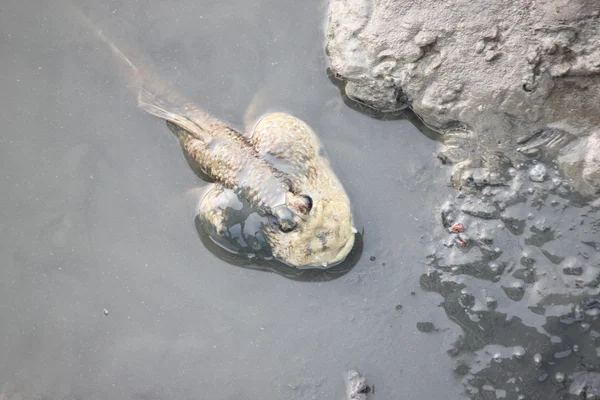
(499, 70)
(356, 386)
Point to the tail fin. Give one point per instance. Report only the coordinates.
(148, 102)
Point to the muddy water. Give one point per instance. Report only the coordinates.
(519, 272)
(108, 291)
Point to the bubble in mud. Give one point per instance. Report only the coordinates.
(512, 171)
(105, 311)
(585, 327)
(498, 357)
(521, 397)
(556, 181)
(575, 348)
(559, 377)
(537, 358)
(491, 302)
(530, 190)
(530, 216)
(537, 173)
(494, 267)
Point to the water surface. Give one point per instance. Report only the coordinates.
(108, 292)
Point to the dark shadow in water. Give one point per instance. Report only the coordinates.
(272, 265)
(363, 108)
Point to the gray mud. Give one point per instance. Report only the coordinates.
(500, 71)
(108, 290)
(519, 272)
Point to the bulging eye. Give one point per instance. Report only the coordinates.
(302, 203)
(307, 204)
(299, 204)
(285, 219)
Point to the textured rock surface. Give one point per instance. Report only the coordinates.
(503, 71)
(356, 386)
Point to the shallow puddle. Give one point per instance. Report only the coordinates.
(108, 290)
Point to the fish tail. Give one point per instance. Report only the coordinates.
(148, 102)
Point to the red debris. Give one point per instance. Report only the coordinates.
(462, 242)
(458, 228)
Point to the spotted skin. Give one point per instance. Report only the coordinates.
(326, 235)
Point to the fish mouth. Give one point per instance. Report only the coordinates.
(338, 258)
(341, 255)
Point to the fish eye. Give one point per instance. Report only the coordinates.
(285, 219)
(307, 203)
(300, 204)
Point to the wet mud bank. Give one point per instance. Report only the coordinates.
(513, 77)
(519, 270)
